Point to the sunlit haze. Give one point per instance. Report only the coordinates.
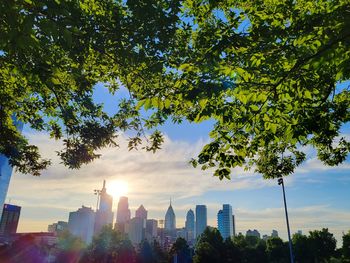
(117, 189)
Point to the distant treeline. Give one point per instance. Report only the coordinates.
(112, 247)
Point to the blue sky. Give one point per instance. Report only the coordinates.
(318, 196)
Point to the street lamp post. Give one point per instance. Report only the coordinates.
(280, 182)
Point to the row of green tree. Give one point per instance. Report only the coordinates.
(112, 247)
(318, 246)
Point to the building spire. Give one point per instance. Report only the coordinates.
(170, 200)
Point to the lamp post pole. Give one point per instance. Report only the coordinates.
(280, 182)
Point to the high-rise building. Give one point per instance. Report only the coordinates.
(170, 222)
(254, 233)
(189, 226)
(201, 219)
(104, 214)
(58, 227)
(274, 233)
(151, 229)
(123, 214)
(225, 224)
(6, 172)
(81, 223)
(136, 230)
(9, 219)
(234, 225)
(141, 212)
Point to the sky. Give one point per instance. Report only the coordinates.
(317, 196)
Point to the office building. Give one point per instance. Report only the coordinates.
(81, 223)
(189, 226)
(58, 227)
(9, 219)
(6, 172)
(141, 212)
(136, 230)
(201, 219)
(170, 222)
(151, 229)
(254, 233)
(123, 214)
(104, 214)
(274, 233)
(234, 225)
(225, 224)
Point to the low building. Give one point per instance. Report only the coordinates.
(9, 219)
(58, 227)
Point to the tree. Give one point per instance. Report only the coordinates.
(232, 252)
(146, 254)
(181, 250)
(301, 248)
(53, 53)
(346, 247)
(277, 250)
(322, 245)
(109, 246)
(265, 72)
(209, 247)
(69, 248)
(251, 248)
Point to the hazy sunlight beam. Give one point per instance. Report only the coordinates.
(117, 189)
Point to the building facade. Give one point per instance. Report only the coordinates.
(104, 214)
(170, 222)
(6, 172)
(225, 224)
(58, 227)
(190, 226)
(123, 214)
(81, 223)
(201, 219)
(136, 230)
(9, 219)
(151, 229)
(141, 212)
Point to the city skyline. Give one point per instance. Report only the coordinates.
(152, 178)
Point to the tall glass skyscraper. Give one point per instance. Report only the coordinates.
(201, 219)
(189, 225)
(104, 214)
(123, 214)
(225, 224)
(170, 221)
(5, 173)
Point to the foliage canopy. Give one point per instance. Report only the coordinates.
(265, 71)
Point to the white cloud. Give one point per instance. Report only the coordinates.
(152, 180)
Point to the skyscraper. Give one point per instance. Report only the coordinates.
(234, 225)
(104, 214)
(201, 219)
(136, 230)
(6, 172)
(170, 221)
(225, 224)
(9, 219)
(189, 226)
(141, 212)
(81, 223)
(123, 214)
(151, 229)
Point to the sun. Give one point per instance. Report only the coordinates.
(117, 189)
